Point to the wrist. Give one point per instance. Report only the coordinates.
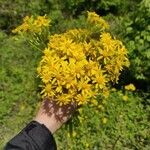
(50, 122)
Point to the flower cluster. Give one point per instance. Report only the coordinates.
(130, 87)
(30, 24)
(76, 65)
(79, 64)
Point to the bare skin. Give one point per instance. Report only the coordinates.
(52, 115)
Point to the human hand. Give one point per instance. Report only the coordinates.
(54, 116)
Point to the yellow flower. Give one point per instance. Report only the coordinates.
(25, 26)
(47, 91)
(63, 99)
(104, 120)
(74, 134)
(83, 85)
(113, 89)
(125, 97)
(22, 28)
(81, 99)
(46, 77)
(32, 25)
(106, 93)
(94, 102)
(130, 87)
(93, 18)
(100, 81)
(41, 21)
(87, 144)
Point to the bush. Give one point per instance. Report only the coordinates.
(77, 7)
(135, 31)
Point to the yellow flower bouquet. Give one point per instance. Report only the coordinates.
(79, 64)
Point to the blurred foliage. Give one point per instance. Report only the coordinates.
(135, 30)
(116, 7)
(12, 11)
(18, 86)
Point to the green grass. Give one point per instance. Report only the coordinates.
(18, 95)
